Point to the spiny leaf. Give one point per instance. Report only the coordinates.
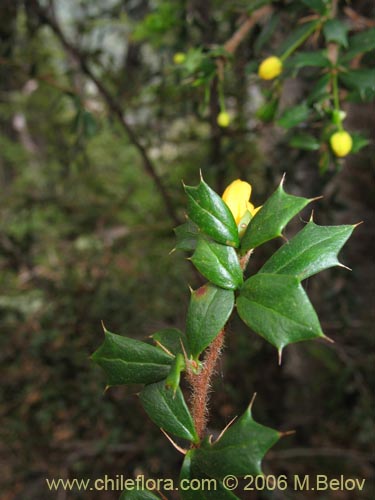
(209, 212)
(276, 307)
(218, 263)
(271, 219)
(209, 310)
(313, 249)
(168, 410)
(130, 361)
(239, 451)
(212, 489)
(186, 235)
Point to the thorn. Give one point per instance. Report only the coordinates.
(200, 175)
(328, 339)
(106, 388)
(287, 433)
(280, 356)
(163, 348)
(282, 179)
(191, 289)
(284, 238)
(311, 216)
(173, 250)
(315, 199)
(252, 401)
(178, 448)
(225, 428)
(358, 223)
(103, 326)
(345, 267)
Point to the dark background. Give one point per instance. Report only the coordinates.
(90, 179)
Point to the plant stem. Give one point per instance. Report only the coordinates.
(201, 384)
(298, 42)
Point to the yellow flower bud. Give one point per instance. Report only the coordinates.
(179, 58)
(223, 119)
(237, 196)
(341, 143)
(270, 68)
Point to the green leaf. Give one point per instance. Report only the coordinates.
(302, 59)
(138, 495)
(268, 110)
(267, 31)
(276, 307)
(211, 214)
(362, 80)
(269, 222)
(313, 249)
(336, 31)
(359, 142)
(168, 410)
(218, 263)
(239, 451)
(319, 6)
(187, 235)
(304, 141)
(293, 116)
(130, 361)
(359, 44)
(209, 310)
(319, 91)
(171, 339)
(212, 489)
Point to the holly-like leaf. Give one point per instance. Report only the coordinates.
(171, 339)
(218, 263)
(276, 307)
(239, 451)
(212, 489)
(313, 249)
(359, 44)
(271, 219)
(168, 410)
(320, 6)
(209, 310)
(130, 361)
(186, 235)
(138, 495)
(361, 80)
(209, 212)
(336, 31)
(294, 116)
(302, 59)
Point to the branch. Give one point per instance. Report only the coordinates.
(237, 37)
(112, 104)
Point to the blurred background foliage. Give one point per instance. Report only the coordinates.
(97, 129)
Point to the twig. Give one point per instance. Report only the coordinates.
(112, 104)
(201, 384)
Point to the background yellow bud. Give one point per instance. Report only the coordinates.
(270, 68)
(179, 58)
(341, 143)
(223, 119)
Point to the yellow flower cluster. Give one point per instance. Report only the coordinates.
(237, 197)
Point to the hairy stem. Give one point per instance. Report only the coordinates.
(201, 384)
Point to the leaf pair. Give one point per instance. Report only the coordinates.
(130, 361)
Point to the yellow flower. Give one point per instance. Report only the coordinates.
(237, 196)
(270, 68)
(223, 119)
(179, 58)
(341, 143)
